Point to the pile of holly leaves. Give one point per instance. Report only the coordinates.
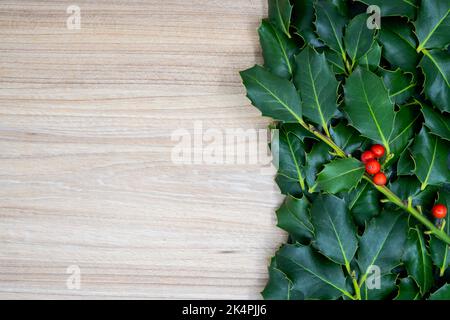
(335, 87)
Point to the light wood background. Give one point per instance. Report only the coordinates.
(86, 176)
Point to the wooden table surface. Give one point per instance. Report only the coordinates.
(87, 178)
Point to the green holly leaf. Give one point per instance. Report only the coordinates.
(318, 86)
(440, 251)
(293, 217)
(275, 97)
(278, 50)
(289, 153)
(407, 290)
(335, 233)
(405, 164)
(405, 124)
(385, 289)
(335, 61)
(280, 15)
(438, 123)
(303, 16)
(347, 138)
(399, 84)
(443, 293)
(435, 65)
(313, 275)
(382, 243)
(364, 203)
(430, 155)
(433, 24)
(330, 25)
(371, 60)
(368, 106)
(418, 261)
(340, 175)
(409, 187)
(279, 287)
(358, 38)
(315, 159)
(404, 8)
(399, 44)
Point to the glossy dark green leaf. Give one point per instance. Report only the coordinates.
(405, 122)
(443, 293)
(407, 290)
(358, 38)
(315, 159)
(409, 187)
(430, 154)
(438, 123)
(383, 291)
(405, 164)
(330, 25)
(399, 44)
(418, 261)
(312, 274)
(382, 243)
(335, 61)
(317, 85)
(303, 16)
(280, 12)
(404, 8)
(278, 50)
(347, 138)
(293, 216)
(335, 232)
(435, 65)
(399, 84)
(371, 59)
(279, 287)
(364, 203)
(440, 251)
(368, 106)
(340, 175)
(275, 97)
(433, 24)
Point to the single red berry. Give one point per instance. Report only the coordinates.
(373, 166)
(380, 179)
(367, 155)
(378, 150)
(439, 211)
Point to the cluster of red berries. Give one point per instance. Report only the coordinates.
(373, 167)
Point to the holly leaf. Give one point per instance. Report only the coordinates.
(303, 16)
(438, 123)
(405, 164)
(278, 50)
(318, 86)
(364, 203)
(335, 61)
(382, 243)
(273, 96)
(435, 65)
(407, 290)
(409, 187)
(358, 38)
(340, 175)
(315, 159)
(381, 292)
(404, 8)
(371, 59)
(279, 287)
(335, 233)
(399, 84)
(430, 155)
(293, 217)
(433, 24)
(418, 261)
(313, 275)
(405, 123)
(347, 138)
(443, 293)
(368, 106)
(289, 157)
(440, 251)
(330, 25)
(280, 14)
(399, 44)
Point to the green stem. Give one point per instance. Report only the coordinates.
(355, 283)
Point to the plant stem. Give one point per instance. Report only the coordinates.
(355, 283)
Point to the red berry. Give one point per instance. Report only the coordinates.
(439, 211)
(373, 166)
(367, 155)
(380, 179)
(378, 150)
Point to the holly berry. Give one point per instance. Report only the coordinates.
(367, 155)
(378, 150)
(380, 179)
(373, 166)
(439, 211)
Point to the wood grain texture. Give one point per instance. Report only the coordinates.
(86, 176)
